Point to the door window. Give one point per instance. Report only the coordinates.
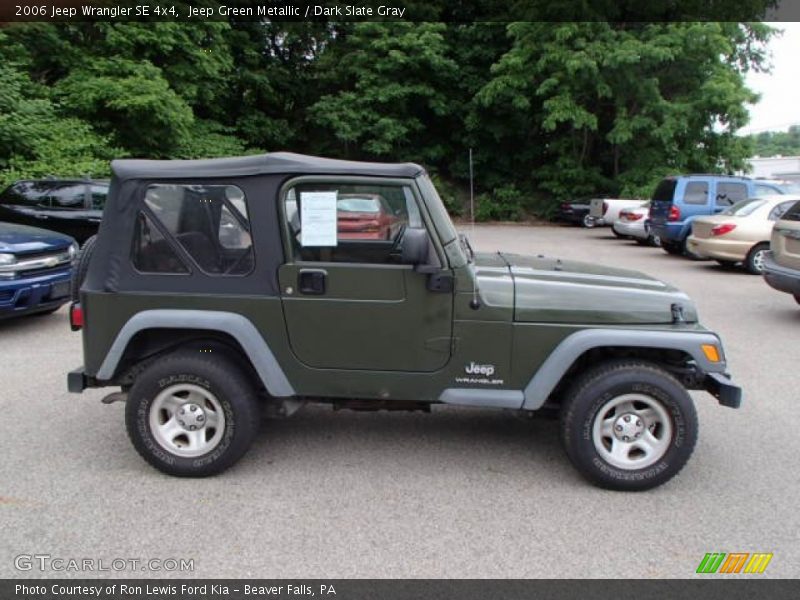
(65, 197)
(729, 194)
(98, 193)
(696, 192)
(777, 213)
(352, 223)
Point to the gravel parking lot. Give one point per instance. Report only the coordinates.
(457, 493)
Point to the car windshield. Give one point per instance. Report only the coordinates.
(365, 205)
(744, 207)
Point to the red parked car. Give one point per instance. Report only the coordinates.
(365, 217)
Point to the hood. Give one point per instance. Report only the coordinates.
(23, 239)
(550, 290)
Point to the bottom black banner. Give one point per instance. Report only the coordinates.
(404, 589)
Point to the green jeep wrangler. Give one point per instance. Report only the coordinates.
(220, 290)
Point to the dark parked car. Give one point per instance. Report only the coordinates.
(576, 213)
(35, 269)
(71, 207)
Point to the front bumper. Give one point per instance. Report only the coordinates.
(34, 294)
(723, 389)
(779, 277)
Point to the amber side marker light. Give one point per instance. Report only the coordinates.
(711, 352)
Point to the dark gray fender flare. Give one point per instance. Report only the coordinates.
(549, 375)
(241, 328)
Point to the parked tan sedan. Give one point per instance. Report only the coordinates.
(741, 234)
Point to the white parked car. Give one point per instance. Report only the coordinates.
(632, 223)
(605, 211)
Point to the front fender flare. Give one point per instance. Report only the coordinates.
(241, 328)
(553, 369)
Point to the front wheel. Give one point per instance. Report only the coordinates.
(588, 221)
(628, 425)
(192, 415)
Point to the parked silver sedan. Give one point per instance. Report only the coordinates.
(632, 223)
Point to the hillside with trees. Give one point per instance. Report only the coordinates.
(552, 110)
(776, 143)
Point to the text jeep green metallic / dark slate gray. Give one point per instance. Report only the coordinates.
(203, 267)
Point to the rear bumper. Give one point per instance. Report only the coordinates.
(77, 381)
(635, 229)
(34, 294)
(735, 251)
(779, 277)
(723, 389)
(669, 232)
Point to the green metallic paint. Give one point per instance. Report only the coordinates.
(378, 333)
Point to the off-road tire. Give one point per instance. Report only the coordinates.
(81, 267)
(231, 386)
(600, 386)
(754, 262)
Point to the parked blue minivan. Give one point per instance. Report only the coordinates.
(35, 269)
(679, 199)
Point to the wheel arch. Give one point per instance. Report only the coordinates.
(173, 326)
(587, 347)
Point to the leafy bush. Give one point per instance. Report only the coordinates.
(505, 203)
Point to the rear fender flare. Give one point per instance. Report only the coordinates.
(238, 326)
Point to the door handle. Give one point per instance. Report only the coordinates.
(312, 281)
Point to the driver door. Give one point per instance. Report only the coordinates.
(351, 304)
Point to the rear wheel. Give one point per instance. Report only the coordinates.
(192, 415)
(754, 262)
(588, 221)
(628, 425)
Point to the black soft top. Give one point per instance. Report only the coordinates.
(272, 163)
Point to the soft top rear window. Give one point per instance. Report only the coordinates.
(665, 191)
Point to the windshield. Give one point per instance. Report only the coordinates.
(744, 207)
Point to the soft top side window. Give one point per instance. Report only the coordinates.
(349, 222)
(696, 192)
(208, 223)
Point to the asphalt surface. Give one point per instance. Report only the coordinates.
(456, 493)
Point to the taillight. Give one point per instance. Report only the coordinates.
(723, 229)
(634, 216)
(75, 316)
(605, 207)
(674, 213)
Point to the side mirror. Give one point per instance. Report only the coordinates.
(415, 244)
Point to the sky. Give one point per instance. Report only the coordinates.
(780, 90)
